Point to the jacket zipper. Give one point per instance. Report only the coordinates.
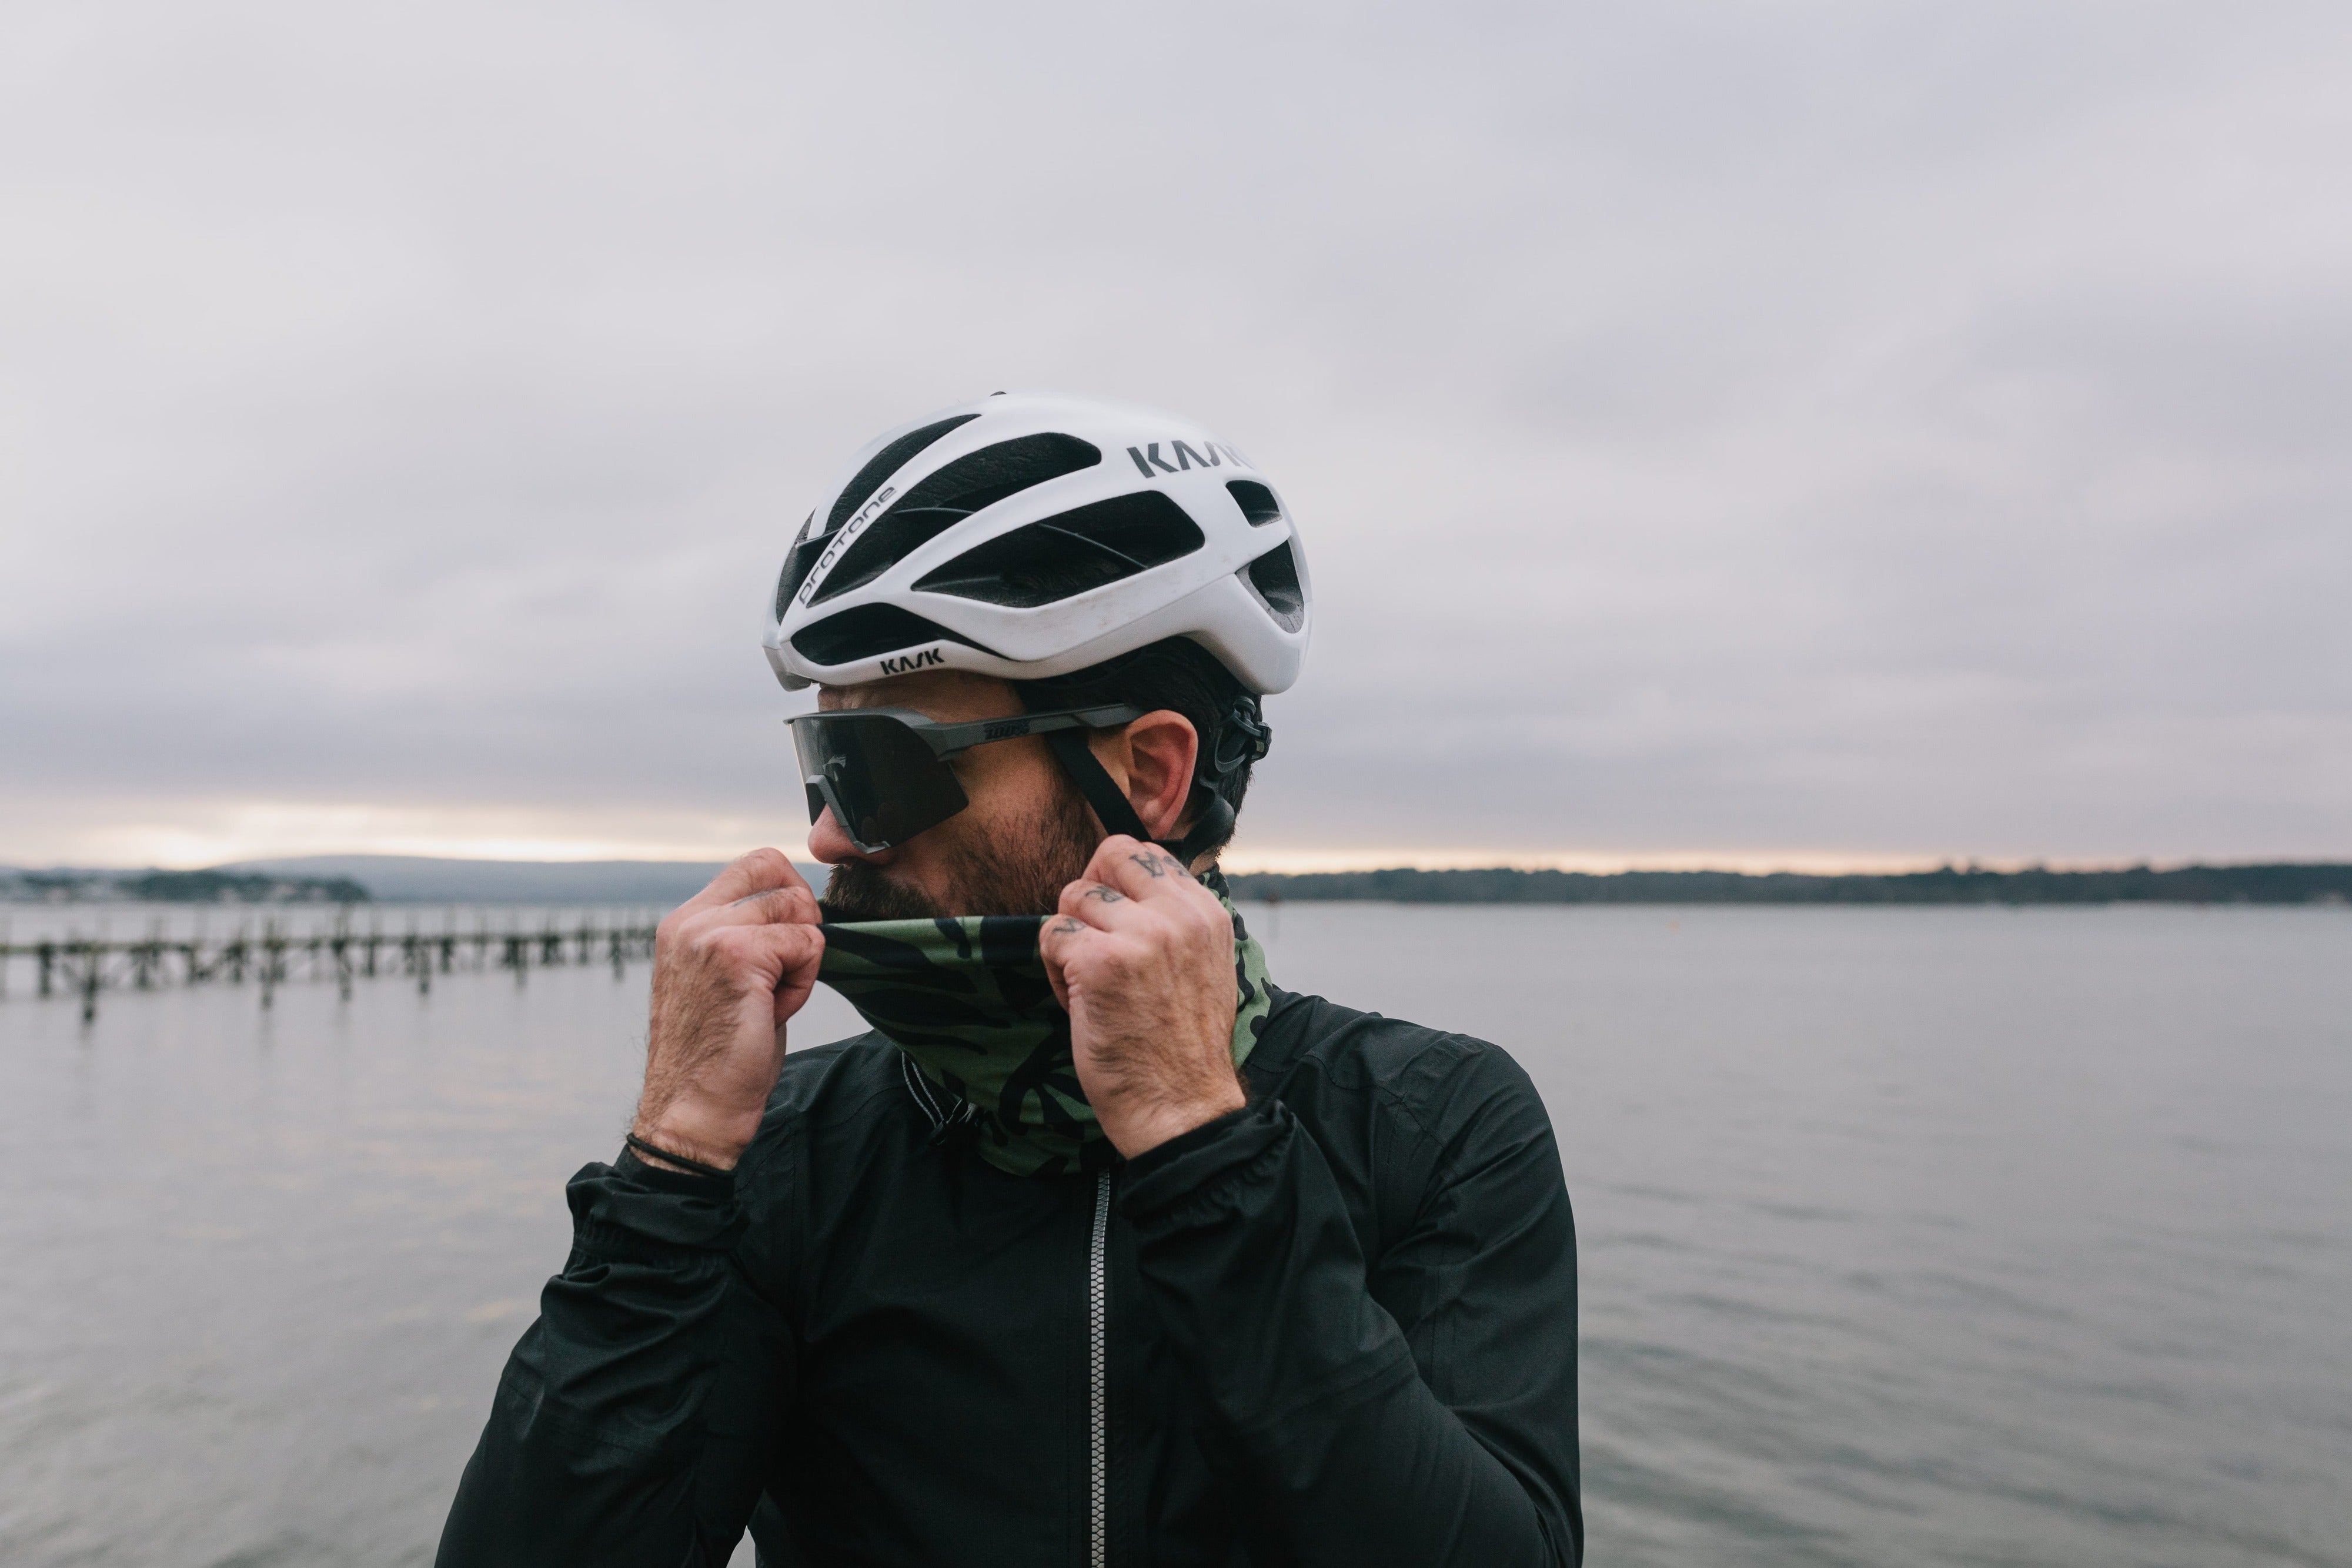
(1098, 1377)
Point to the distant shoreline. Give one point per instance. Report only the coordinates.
(216, 884)
(394, 879)
(2276, 884)
(375, 880)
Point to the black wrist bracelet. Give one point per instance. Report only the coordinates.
(680, 1161)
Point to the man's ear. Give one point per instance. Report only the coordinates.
(1158, 751)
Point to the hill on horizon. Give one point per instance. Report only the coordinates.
(423, 879)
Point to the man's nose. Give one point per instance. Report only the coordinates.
(828, 845)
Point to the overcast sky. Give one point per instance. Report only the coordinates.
(1770, 433)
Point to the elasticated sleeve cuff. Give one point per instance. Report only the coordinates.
(631, 1210)
(1190, 1166)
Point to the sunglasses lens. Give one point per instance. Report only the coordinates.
(879, 774)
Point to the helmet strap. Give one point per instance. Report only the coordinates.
(1111, 805)
(1116, 813)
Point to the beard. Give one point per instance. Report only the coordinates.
(1022, 871)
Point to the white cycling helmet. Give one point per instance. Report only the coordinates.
(1026, 536)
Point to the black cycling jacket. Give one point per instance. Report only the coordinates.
(1336, 1327)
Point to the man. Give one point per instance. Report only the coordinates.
(1101, 1249)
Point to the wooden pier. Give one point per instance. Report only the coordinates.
(82, 967)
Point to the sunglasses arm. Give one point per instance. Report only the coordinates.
(946, 740)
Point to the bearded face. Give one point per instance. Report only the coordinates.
(1018, 868)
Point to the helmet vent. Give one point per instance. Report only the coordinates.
(797, 561)
(1275, 576)
(939, 501)
(1071, 552)
(883, 464)
(1256, 502)
(869, 629)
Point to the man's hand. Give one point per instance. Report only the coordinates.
(730, 965)
(1142, 956)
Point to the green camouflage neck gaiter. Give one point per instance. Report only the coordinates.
(967, 999)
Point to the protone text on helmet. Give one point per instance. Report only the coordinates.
(841, 541)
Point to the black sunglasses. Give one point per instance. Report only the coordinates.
(884, 771)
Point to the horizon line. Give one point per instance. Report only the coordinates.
(1310, 862)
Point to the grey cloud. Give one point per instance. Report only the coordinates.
(1862, 427)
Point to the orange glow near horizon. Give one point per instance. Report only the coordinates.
(207, 835)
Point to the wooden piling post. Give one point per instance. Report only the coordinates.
(77, 964)
(142, 958)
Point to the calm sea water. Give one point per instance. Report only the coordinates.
(1967, 1237)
